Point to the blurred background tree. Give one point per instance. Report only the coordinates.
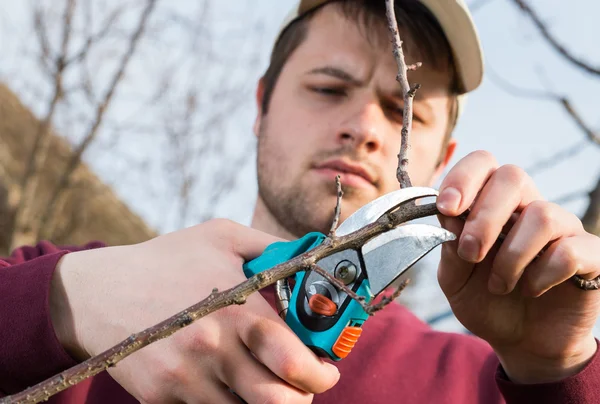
(171, 144)
(143, 91)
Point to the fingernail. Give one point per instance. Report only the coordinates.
(468, 248)
(496, 285)
(449, 199)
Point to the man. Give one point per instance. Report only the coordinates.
(329, 105)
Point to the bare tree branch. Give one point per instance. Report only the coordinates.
(338, 207)
(567, 105)
(101, 109)
(571, 196)
(554, 159)
(29, 183)
(409, 94)
(98, 36)
(589, 132)
(554, 42)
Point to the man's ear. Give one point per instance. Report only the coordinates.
(260, 93)
(449, 152)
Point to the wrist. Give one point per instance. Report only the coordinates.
(61, 312)
(524, 368)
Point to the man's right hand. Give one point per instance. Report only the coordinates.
(100, 297)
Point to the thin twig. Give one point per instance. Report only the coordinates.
(100, 110)
(554, 159)
(385, 300)
(340, 285)
(553, 41)
(591, 134)
(369, 308)
(409, 94)
(571, 196)
(216, 301)
(338, 207)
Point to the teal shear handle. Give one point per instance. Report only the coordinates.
(330, 335)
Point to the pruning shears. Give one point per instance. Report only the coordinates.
(323, 316)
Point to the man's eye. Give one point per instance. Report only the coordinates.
(329, 91)
(398, 111)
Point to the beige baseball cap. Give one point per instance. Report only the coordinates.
(458, 25)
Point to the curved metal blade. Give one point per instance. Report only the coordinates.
(374, 209)
(392, 253)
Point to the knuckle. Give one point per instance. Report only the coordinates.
(206, 343)
(221, 225)
(486, 156)
(290, 368)
(542, 212)
(513, 174)
(567, 257)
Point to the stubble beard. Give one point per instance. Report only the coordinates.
(298, 208)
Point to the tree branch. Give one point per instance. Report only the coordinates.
(591, 134)
(101, 109)
(338, 208)
(409, 94)
(553, 41)
(215, 301)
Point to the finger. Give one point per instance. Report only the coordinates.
(255, 383)
(508, 190)
(539, 224)
(453, 271)
(463, 182)
(275, 345)
(576, 255)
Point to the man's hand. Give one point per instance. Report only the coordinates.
(100, 297)
(536, 319)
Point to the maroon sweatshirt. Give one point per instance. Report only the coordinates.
(398, 358)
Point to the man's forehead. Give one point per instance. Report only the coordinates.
(330, 20)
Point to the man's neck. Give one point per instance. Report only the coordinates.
(263, 220)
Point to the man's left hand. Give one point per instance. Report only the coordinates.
(517, 294)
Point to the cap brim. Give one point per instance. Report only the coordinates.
(456, 21)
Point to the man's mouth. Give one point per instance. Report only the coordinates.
(351, 174)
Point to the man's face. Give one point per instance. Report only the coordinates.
(337, 109)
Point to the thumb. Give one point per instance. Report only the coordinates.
(245, 242)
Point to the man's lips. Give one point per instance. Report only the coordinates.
(350, 174)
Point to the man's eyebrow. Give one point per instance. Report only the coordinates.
(337, 73)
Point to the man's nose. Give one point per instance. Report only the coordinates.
(362, 127)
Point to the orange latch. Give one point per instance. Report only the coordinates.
(346, 341)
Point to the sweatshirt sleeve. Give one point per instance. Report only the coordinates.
(583, 387)
(29, 349)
